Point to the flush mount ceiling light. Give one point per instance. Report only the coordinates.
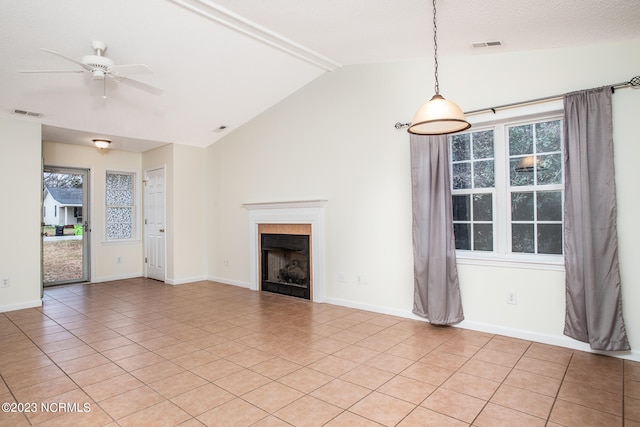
(438, 116)
(101, 143)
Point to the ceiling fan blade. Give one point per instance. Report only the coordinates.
(130, 69)
(51, 71)
(86, 67)
(136, 84)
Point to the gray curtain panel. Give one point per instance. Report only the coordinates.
(594, 302)
(436, 288)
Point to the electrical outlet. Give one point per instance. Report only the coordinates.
(512, 297)
(341, 278)
(363, 280)
(226, 262)
(6, 282)
(118, 260)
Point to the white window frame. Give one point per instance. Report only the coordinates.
(477, 190)
(501, 256)
(135, 208)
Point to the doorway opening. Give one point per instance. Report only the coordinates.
(65, 226)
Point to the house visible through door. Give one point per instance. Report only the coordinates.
(154, 224)
(65, 226)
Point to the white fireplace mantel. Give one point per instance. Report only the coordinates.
(292, 212)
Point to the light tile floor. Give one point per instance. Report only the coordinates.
(141, 353)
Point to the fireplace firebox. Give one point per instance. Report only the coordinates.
(285, 264)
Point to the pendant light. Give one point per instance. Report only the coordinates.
(438, 116)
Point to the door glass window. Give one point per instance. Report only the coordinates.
(65, 245)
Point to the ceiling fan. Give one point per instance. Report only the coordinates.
(100, 67)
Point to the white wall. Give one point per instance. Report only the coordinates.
(104, 255)
(334, 139)
(187, 226)
(21, 177)
(190, 223)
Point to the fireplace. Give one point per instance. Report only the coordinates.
(305, 217)
(285, 264)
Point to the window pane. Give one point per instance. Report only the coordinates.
(482, 207)
(460, 147)
(519, 177)
(550, 239)
(548, 136)
(522, 206)
(119, 214)
(461, 211)
(520, 140)
(117, 181)
(550, 169)
(461, 175)
(549, 206)
(119, 197)
(112, 181)
(119, 231)
(483, 175)
(522, 238)
(483, 237)
(461, 232)
(119, 223)
(483, 145)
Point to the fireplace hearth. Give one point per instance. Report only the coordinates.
(285, 264)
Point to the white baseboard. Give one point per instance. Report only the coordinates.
(373, 308)
(183, 281)
(21, 306)
(112, 278)
(557, 340)
(229, 281)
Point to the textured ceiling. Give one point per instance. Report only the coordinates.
(224, 62)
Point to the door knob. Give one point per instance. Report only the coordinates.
(162, 230)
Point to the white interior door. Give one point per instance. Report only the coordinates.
(154, 224)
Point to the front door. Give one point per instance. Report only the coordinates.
(154, 224)
(65, 226)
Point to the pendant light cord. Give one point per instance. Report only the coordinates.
(435, 49)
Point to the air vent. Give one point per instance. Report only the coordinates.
(26, 113)
(487, 44)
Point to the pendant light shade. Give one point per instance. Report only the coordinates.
(438, 116)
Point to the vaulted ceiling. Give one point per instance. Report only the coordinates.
(221, 63)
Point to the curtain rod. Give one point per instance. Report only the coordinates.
(635, 81)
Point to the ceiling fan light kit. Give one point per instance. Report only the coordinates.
(438, 116)
(100, 65)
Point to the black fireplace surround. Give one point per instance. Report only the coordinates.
(285, 264)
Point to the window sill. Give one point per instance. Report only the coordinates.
(121, 242)
(534, 262)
